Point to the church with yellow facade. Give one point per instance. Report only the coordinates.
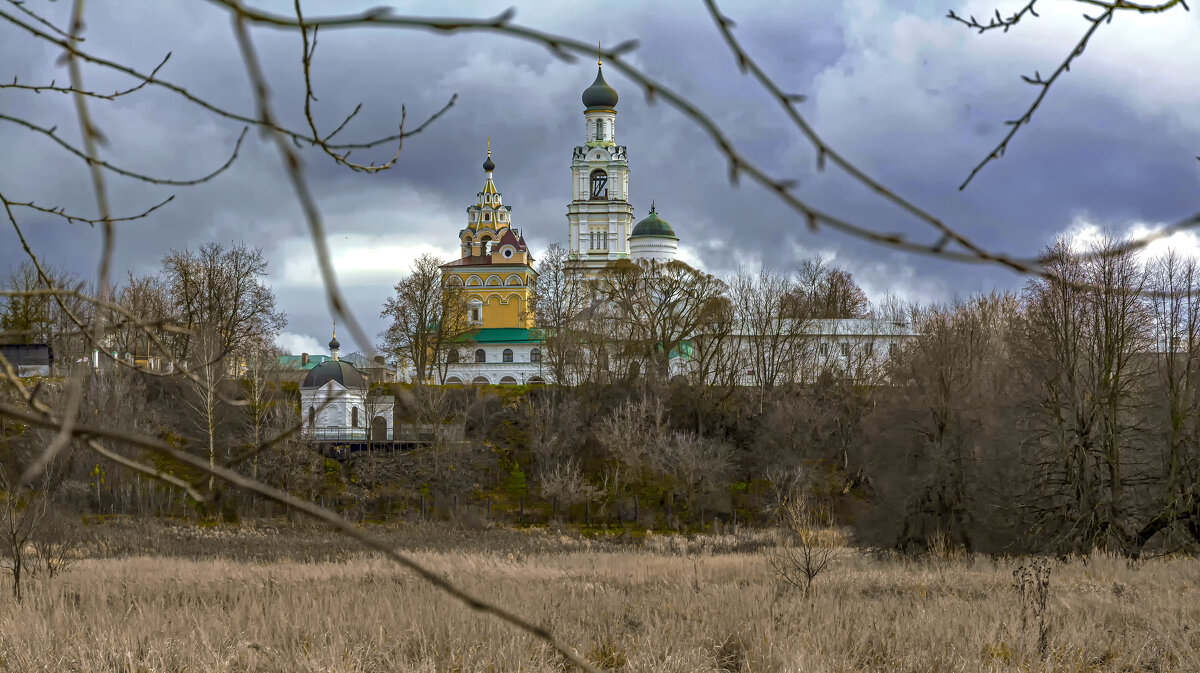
(496, 274)
(496, 268)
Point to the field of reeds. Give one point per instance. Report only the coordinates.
(244, 599)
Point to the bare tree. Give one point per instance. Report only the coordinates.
(824, 291)
(146, 298)
(25, 515)
(801, 553)
(772, 321)
(559, 300)
(1086, 329)
(428, 321)
(654, 307)
(221, 290)
(204, 395)
(1175, 305)
(955, 372)
(25, 316)
(260, 396)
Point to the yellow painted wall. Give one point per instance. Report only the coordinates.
(503, 305)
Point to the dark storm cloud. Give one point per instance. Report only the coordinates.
(911, 98)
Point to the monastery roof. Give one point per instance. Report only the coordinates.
(480, 260)
(294, 361)
(493, 335)
(334, 370)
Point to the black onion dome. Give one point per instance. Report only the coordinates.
(334, 370)
(600, 96)
(488, 164)
(333, 344)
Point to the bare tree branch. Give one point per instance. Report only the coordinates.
(1110, 9)
(60, 212)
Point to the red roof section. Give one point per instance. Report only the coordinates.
(475, 260)
(509, 238)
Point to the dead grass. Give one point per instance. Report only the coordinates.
(669, 605)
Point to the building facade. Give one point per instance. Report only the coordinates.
(496, 275)
(495, 269)
(337, 404)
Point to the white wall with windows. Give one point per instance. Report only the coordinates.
(497, 364)
(334, 412)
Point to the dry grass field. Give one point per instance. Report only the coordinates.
(667, 604)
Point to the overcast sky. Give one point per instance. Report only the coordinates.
(912, 98)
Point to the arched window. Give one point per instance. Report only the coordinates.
(481, 355)
(452, 356)
(599, 129)
(354, 416)
(599, 184)
(535, 355)
(312, 417)
(507, 355)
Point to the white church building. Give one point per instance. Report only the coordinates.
(337, 404)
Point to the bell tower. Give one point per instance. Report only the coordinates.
(599, 217)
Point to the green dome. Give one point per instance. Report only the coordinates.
(653, 226)
(600, 96)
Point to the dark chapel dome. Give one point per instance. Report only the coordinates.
(600, 96)
(334, 370)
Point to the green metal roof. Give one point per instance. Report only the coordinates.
(504, 335)
(293, 361)
(654, 226)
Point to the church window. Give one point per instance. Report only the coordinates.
(481, 355)
(535, 355)
(354, 416)
(823, 349)
(599, 184)
(474, 314)
(845, 349)
(312, 417)
(452, 356)
(487, 217)
(869, 348)
(508, 355)
(599, 129)
(599, 240)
